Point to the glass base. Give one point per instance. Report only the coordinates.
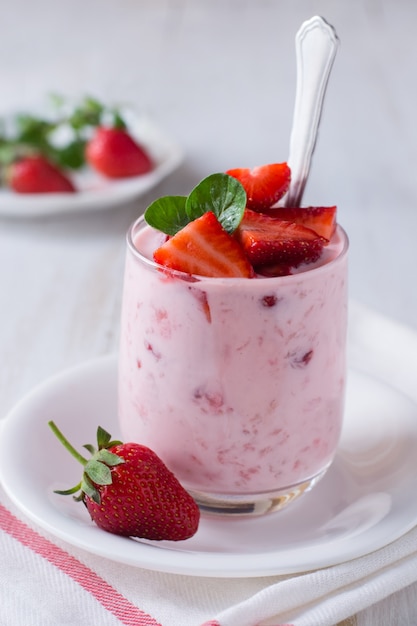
(252, 504)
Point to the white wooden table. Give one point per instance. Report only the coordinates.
(219, 76)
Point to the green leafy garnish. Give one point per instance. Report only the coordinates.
(220, 193)
(168, 214)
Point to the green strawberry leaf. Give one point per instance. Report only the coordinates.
(118, 121)
(167, 214)
(223, 195)
(88, 113)
(7, 153)
(109, 458)
(220, 193)
(32, 130)
(97, 469)
(88, 488)
(103, 438)
(67, 492)
(98, 472)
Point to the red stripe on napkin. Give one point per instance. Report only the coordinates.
(216, 623)
(126, 612)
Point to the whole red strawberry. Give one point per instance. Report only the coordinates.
(115, 154)
(35, 174)
(129, 491)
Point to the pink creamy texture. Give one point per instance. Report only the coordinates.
(238, 384)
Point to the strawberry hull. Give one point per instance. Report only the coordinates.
(237, 384)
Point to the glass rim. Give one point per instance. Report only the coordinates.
(151, 264)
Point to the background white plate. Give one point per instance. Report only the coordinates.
(96, 192)
(366, 500)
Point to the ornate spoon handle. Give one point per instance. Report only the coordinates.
(316, 46)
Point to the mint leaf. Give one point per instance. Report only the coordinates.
(167, 214)
(223, 195)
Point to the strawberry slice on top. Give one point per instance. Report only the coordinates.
(271, 241)
(204, 248)
(264, 185)
(321, 219)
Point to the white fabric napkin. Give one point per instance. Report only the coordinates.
(46, 582)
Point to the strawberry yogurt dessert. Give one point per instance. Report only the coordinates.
(232, 360)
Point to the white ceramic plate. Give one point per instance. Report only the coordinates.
(366, 500)
(96, 192)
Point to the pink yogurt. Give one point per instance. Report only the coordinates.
(237, 384)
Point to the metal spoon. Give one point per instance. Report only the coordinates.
(316, 46)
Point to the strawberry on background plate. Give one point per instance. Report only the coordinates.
(115, 154)
(129, 491)
(35, 174)
(66, 137)
(264, 185)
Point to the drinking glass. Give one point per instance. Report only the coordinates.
(237, 384)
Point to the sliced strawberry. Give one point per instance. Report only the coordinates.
(204, 248)
(269, 241)
(264, 185)
(321, 219)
